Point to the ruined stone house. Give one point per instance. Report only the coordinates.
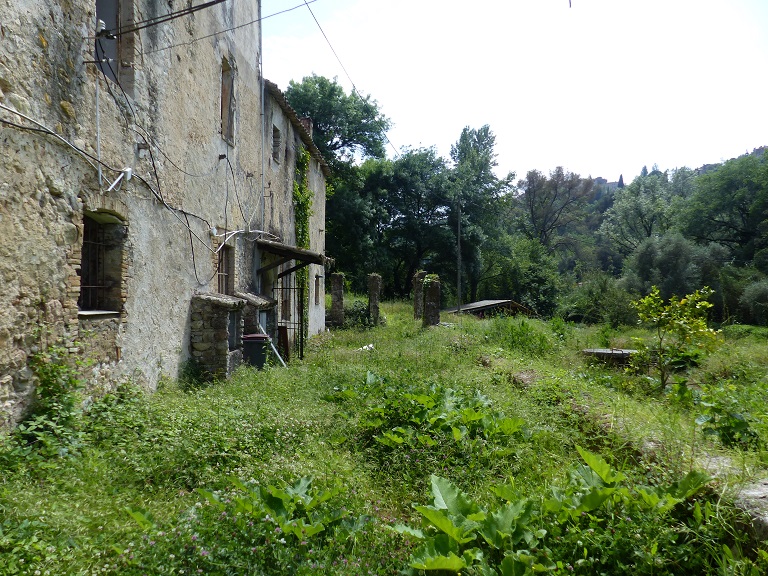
(147, 182)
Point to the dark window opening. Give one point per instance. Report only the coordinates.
(113, 51)
(101, 264)
(225, 270)
(227, 102)
(276, 144)
(317, 290)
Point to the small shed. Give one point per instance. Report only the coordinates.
(485, 308)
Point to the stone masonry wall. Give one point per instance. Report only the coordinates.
(185, 175)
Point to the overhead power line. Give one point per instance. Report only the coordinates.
(136, 26)
(354, 87)
(251, 23)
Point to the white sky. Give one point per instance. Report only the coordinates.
(601, 88)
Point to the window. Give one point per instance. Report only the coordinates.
(227, 102)
(276, 144)
(317, 289)
(114, 51)
(101, 263)
(225, 271)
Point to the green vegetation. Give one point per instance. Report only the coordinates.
(490, 447)
(540, 240)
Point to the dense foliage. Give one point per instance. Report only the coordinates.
(679, 229)
(486, 446)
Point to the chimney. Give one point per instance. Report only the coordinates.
(306, 121)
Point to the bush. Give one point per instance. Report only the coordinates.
(754, 303)
(598, 299)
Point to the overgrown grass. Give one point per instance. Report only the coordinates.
(209, 479)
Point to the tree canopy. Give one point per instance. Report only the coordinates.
(550, 242)
(344, 125)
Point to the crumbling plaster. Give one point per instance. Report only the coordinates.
(45, 186)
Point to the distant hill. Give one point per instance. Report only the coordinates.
(709, 167)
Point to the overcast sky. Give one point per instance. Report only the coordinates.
(601, 88)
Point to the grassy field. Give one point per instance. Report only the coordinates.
(479, 447)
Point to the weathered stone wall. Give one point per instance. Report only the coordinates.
(216, 334)
(279, 210)
(431, 300)
(168, 132)
(418, 294)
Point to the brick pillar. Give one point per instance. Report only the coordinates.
(374, 292)
(418, 294)
(337, 299)
(431, 300)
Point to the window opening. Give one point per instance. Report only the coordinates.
(276, 144)
(114, 55)
(227, 102)
(101, 265)
(317, 289)
(225, 270)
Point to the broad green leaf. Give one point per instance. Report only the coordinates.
(425, 440)
(697, 515)
(594, 499)
(143, 520)
(511, 566)
(600, 467)
(510, 426)
(301, 487)
(470, 415)
(423, 399)
(460, 531)
(448, 497)
(403, 529)
(451, 562)
(438, 553)
(502, 523)
(505, 492)
(694, 481)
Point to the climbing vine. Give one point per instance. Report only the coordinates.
(302, 208)
(302, 199)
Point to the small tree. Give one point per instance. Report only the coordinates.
(681, 329)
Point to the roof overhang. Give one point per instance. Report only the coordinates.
(287, 253)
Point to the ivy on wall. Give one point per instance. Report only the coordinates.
(302, 210)
(302, 198)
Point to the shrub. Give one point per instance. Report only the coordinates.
(754, 303)
(598, 299)
(680, 330)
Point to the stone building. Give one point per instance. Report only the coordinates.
(147, 212)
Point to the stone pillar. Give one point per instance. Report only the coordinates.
(418, 294)
(337, 299)
(431, 300)
(374, 292)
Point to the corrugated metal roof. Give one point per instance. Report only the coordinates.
(482, 305)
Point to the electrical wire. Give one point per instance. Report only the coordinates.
(45, 129)
(354, 87)
(136, 26)
(88, 157)
(195, 40)
(234, 185)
